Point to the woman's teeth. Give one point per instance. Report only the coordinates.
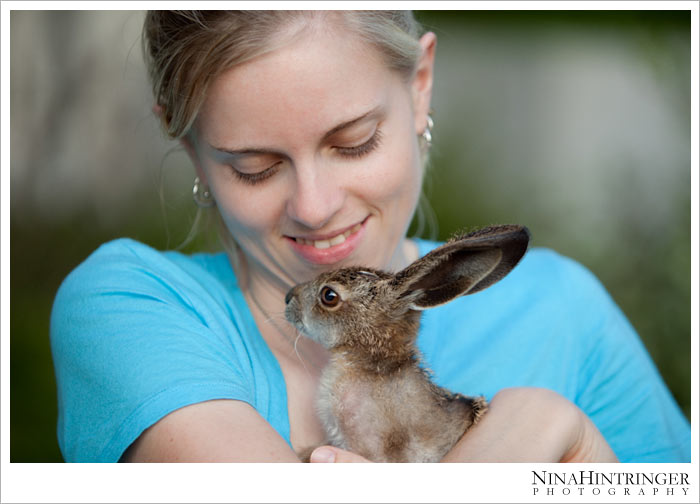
(331, 242)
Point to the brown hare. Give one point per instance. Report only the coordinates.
(374, 398)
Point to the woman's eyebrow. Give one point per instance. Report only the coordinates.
(247, 151)
(335, 129)
(351, 122)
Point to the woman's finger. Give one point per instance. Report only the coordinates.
(332, 454)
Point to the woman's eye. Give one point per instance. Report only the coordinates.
(355, 151)
(329, 297)
(257, 177)
(362, 149)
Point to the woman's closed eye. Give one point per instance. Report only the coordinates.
(362, 149)
(257, 177)
(256, 170)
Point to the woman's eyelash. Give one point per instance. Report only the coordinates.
(256, 178)
(348, 152)
(362, 149)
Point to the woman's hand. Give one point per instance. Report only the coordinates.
(522, 425)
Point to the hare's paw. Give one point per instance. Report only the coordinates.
(479, 408)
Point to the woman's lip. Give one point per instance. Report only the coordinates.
(328, 236)
(332, 248)
(330, 240)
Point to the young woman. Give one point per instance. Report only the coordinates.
(308, 133)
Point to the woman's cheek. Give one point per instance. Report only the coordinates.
(249, 210)
(396, 176)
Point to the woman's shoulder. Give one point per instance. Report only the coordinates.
(120, 262)
(127, 251)
(548, 272)
(132, 275)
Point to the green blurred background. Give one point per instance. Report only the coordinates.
(576, 124)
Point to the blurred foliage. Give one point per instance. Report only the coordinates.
(655, 19)
(652, 287)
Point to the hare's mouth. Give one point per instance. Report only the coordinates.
(291, 313)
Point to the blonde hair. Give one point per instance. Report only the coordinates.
(185, 51)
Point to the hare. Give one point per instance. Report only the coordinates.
(374, 397)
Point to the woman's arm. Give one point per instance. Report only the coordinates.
(211, 431)
(522, 425)
(532, 425)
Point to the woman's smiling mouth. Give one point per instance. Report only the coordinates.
(330, 242)
(329, 249)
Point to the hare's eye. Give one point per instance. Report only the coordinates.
(329, 297)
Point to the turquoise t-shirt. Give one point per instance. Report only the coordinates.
(137, 333)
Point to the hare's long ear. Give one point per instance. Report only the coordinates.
(464, 265)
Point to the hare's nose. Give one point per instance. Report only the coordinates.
(289, 296)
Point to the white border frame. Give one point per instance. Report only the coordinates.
(315, 483)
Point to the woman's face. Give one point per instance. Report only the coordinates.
(311, 154)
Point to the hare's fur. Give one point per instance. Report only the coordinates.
(399, 417)
(374, 398)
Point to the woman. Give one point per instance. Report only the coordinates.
(308, 133)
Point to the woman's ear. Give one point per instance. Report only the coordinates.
(422, 86)
(159, 112)
(188, 144)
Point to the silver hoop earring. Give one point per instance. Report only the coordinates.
(201, 195)
(427, 132)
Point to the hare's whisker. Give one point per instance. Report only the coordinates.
(296, 340)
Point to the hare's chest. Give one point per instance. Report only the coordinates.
(370, 416)
(351, 412)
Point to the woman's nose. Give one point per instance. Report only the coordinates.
(316, 197)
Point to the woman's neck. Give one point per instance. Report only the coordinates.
(405, 254)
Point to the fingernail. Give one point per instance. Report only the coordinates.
(322, 455)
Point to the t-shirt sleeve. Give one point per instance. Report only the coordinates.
(619, 386)
(134, 338)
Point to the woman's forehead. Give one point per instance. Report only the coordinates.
(319, 78)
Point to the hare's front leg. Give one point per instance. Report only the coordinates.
(330, 407)
(331, 426)
(333, 431)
